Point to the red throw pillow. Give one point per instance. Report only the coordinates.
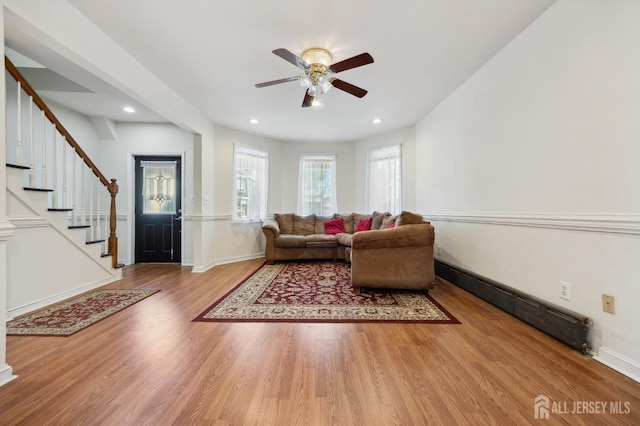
(335, 226)
(393, 225)
(364, 225)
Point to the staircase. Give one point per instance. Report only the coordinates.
(62, 206)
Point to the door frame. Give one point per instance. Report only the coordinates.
(131, 197)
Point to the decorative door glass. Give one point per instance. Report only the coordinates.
(159, 186)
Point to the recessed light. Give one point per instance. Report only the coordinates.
(253, 121)
(316, 103)
(377, 120)
(129, 109)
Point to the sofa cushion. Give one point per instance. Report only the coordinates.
(344, 239)
(334, 226)
(408, 218)
(285, 222)
(377, 218)
(320, 240)
(304, 225)
(290, 241)
(348, 222)
(364, 225)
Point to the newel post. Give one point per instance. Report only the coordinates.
(113, 239)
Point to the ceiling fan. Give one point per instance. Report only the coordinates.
(319, 73)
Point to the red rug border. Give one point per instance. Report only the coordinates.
(76, 297)
(201, 318)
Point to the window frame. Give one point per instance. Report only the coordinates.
(263, 187)
(386, 153)
(303, 209)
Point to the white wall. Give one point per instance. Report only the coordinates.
(116, 161)
(6, 231)
(101, 56)
(238, 241)
(405, 137)
(530, 169)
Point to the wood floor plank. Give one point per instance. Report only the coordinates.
(150, 364)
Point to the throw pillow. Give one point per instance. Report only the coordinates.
(335, 226)
(364, 225)
(387, 221)
(377, 219)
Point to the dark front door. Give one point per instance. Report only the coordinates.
(158, 209)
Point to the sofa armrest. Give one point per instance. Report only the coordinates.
(415, 235)
(271, 226)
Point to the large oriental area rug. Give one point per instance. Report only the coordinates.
(320, 292)
(70, 316)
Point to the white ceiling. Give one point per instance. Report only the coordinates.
(213, 52)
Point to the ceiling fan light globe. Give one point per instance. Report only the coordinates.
(312, 91)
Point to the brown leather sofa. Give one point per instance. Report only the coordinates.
(397, 251)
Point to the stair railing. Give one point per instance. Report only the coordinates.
(75, 182)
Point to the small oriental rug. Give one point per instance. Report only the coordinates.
(70, 316)
(320, 292)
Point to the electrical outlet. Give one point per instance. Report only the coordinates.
(565, 290)
(608, 303)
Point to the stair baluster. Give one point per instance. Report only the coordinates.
(52, 170)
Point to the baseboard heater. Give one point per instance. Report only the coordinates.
(567, 326)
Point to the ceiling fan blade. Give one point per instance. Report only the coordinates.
(290, 57)
(282, 80)
(354, 62)
(308, 100)
(348, 87)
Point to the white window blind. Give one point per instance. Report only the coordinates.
(317, 184)
(384, 180)
(251, 181)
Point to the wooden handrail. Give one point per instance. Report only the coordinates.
(53, 119)
(111, 186)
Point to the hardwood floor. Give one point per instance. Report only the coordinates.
(149, 364)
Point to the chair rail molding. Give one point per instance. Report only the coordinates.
(6, 229)
(608, 223)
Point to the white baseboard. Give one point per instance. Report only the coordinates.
(41, 303)
(618, 362)
(6, 374)
(200, 269)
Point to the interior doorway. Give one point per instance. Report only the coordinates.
(158, 209)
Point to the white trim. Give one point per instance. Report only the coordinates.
(6, 230)
(609, 223)
(29, 222)
(6, 374)
(207, 218)
(50, 300)
(205, 268)
(618, 362)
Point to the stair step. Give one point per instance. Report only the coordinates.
(60, 210)
(17, 166)
(38, 189)
(79, 226)
(106, 254)
(95, 241)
